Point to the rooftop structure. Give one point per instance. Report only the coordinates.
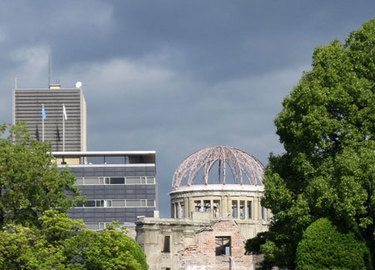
(245, 169)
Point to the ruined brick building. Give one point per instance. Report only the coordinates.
(215, 208)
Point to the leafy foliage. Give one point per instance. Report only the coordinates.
(36, 231)
(327, 127)
(30, 182)
(25, 248)
(324, 247)
(254, 244)
(63, 243)
(109, 249)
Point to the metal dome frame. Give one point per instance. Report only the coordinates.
(245, 168)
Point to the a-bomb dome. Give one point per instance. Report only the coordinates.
(234, 166)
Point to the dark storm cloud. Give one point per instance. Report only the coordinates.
(173, 76)
(212, 40)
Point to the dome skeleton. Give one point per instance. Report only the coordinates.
(245, 168)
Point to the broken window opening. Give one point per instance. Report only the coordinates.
(167, 244)
(216, 208)
(207, 206)
(242, 209)
(223, 246)
(249, 212)
(234, 209)
(197, 206)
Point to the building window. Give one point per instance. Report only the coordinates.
(150, 203)
(150, 180)
(249, 212)
(222, 246)
(106, 180)
(99, 203)
(167, 244)
(135, 203)
(182, 210)
(117, 203)
(197, 206)
(207, 206)
(117, 181)
(242, 209)
(89, 203)
(216, 209)
(234, 209)
(177, 214)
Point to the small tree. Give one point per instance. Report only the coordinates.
(324, 247)
(30, 182)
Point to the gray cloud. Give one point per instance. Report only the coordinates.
(172, 76)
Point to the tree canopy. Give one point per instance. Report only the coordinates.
(324, 247)
(327, 127)
(64, 243)
(36, 233)
(30, 182)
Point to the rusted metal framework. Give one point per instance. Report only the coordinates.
(245, 168)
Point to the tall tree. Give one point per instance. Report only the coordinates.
(327, 127)
(30, 181)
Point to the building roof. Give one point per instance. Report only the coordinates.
(233, 165)
(102, 153)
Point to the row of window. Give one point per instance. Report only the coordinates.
(96, 226)
(241, 209)
(113, 160)
(117, 203)
(244, 210)
(116, 180)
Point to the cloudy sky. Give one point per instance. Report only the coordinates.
(172, 76)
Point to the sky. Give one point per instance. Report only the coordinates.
(172, 76)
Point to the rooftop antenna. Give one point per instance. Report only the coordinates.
(49, 69)
(15, 82)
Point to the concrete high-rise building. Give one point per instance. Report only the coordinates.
(43, 112)
(118, 185)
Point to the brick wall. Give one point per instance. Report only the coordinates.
(202, 254)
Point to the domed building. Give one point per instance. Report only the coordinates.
(215, 208)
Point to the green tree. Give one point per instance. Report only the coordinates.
(108, 249)
(25, 248)
(327, 127)
(30, 182)
(324, 247)
(63, 243)
(81, 248)
(36, 231)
